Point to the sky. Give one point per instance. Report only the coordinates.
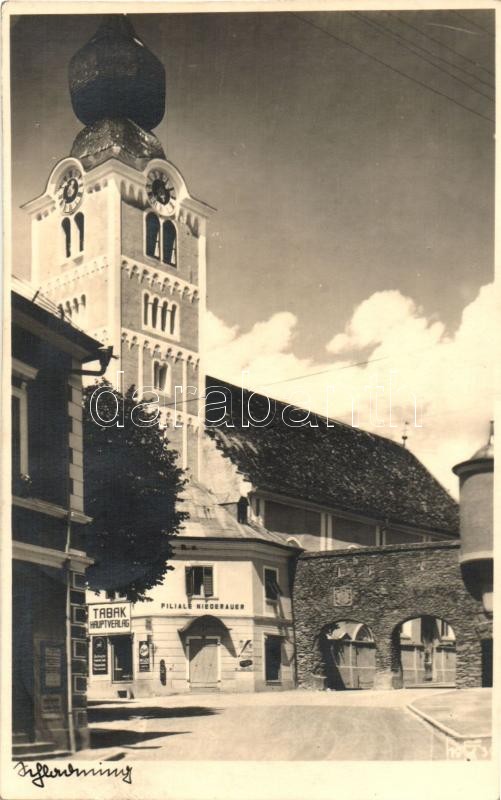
(350, 157)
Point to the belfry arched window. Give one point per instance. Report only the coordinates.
(161, 240)
(169, 248)
(173, 314)
(165, 311)
(66, 226)
(152, 235)
(160, 376)
(154, 312)
(79, 222)
(161, 315)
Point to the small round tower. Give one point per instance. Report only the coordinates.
(476, 521)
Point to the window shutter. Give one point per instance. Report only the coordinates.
(208, 582)
(188, 571)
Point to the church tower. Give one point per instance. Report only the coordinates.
(118, 242)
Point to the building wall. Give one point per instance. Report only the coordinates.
(133, 244)
(237, 615)
(50, 259)
(41, 642)
(382, 588)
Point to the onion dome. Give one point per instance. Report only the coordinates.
(115, 76)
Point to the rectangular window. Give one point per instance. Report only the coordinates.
(273, 658)
(393, 536)
(19, 433)
(199, 581)
(346, 532)
(291, 519)
(272, 590)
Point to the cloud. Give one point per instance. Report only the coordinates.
(390, 365)
(386, 317)
(263, 351)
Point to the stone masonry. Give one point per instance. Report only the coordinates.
(382, 587)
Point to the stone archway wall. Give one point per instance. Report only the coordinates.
(382, 587)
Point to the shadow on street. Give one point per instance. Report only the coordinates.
(113, 713)
(125, 738)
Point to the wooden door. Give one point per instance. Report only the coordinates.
(122, 658)
(204, 662)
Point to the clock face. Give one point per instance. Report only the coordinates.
(161, 191)
(70, 190)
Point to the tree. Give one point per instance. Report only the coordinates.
(132, 486)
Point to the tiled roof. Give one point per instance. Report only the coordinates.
(339, 466)
(210, 520)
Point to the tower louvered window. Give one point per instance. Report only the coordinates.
(161, 240)
(169, 243)
(152, 236)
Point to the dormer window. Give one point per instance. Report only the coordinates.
(161, 240)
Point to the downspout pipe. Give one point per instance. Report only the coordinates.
(69, 673)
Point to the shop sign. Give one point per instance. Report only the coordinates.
(52, 660)
(144, 656)
(203, 605)
(52, 706)
(109, 618)
(99, 655)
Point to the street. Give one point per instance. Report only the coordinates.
(290, 726)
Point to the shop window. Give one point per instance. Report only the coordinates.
(79, 222)
(160, 372)
(272, 590)
(273, 658)
(199, 581)
(66, 226)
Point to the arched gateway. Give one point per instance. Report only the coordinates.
(382, 589)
